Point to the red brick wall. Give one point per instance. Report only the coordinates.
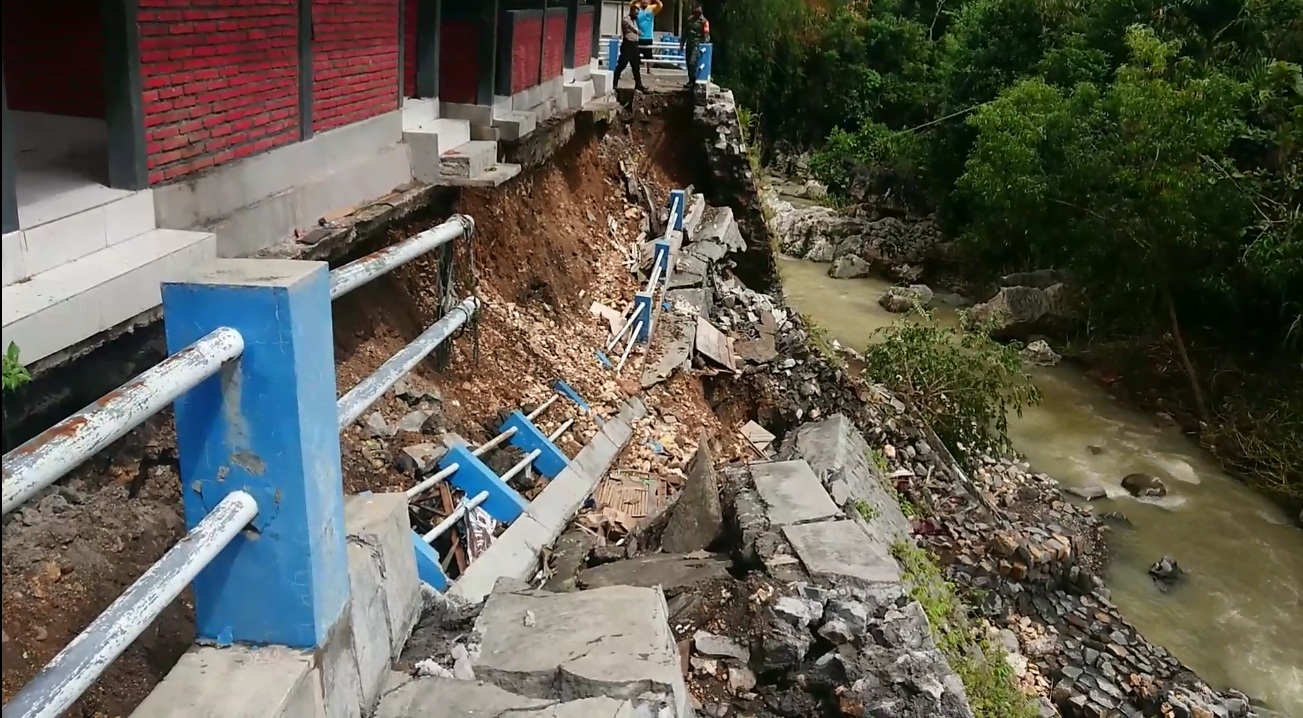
(409, 48)
(220, 80)
(354, 59)
(459, 48)
(584, 37)
(53, 57)
(527, 40)
(554, 45)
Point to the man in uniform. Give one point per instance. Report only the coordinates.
(695, 34)
(629, 51)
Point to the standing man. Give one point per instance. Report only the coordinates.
(696, 34)
(647, 12)
(629, 36)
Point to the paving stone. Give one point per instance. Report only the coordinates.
(612, 642)
(840, 549)
(792, 493)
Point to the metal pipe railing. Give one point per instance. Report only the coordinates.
(369, 390)
(457, 515)
(354, 274)
(80, 663)
(633, 317)
(633, 339)
(50, 455)
(655, 277)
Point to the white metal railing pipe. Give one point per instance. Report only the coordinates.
(354, 274)
(633, 317)
(633, 339)
(458, 513)
(45, 458)
(655, 277)
(542, 407)
(75, 669)
(369, 390)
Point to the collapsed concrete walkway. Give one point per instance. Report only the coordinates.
(811, 536)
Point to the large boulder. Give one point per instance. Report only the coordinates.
(1144, 485)
(849, 266)
(1021, 311)
(903, 299)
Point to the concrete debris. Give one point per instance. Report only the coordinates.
(696, 518)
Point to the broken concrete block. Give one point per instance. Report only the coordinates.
(792, 493)
(696, 519)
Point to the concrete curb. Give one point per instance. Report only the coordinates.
(515, 553)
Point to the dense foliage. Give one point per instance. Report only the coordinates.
(1151, 148)
(963, 383)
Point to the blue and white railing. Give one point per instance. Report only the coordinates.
(463, 468)
(666, 52)
(251, 378)
(639, 324)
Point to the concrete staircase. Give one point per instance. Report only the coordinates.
(444, 153)
(86, 261)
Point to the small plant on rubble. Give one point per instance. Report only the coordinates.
(15, 374)
(964, 384)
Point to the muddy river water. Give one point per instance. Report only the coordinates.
(1237, 620)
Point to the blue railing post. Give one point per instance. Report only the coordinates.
(266, 425)
(612, 52)
(704, 58)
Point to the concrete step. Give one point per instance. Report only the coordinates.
(603, 83)
(419, 111)
(429, 141)
(579, 93)
(58, 308)
(491, 177)
(469, 159)
(513, 124)
(70, 223)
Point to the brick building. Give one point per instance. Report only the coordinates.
(142, 137)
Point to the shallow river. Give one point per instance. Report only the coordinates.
(1237, 619)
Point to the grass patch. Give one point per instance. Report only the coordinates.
(989, 681)
(866, 510)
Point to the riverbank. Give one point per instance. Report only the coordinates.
(1234, 619)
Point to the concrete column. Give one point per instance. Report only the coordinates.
(429, 23)
(124, 109)
(10, 196)
(505, 41)
(542, 45)
(572, 27)
(305, 69)
(488, 48)
(596, 46)
(267, 424)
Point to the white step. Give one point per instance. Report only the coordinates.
(470, 159)
(429, 141)
(66, 305)
(65, 225)
(603, 82)
(514, 124)
(419, 111)
(579, 93)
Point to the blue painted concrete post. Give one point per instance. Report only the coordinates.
(704, 58)
(612, 53)
(678, 206)
(661, 258)
(642, 304)
(528, 437)
(427, 564)
(266, 424)
(473, 476)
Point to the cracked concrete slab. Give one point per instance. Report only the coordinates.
(792, 493)
(611, 642)
(431, 697)
(841, 549)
